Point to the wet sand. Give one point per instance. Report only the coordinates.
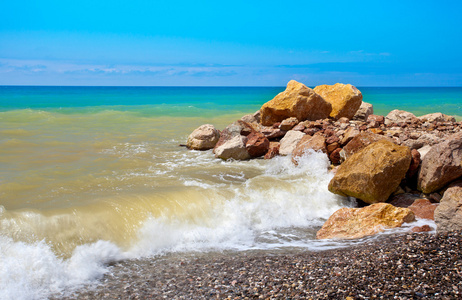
(407, 266)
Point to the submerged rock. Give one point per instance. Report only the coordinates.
(204, 137)
(448, 215)
(373, 173)
(345, 99)
(354, 223)
(441, 165)
(296, 101)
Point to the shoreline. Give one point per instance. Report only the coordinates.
(407, 266)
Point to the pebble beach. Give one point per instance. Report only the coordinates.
(406, 266)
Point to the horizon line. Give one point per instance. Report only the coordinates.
(219, 86)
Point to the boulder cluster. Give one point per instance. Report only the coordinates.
(392, 163)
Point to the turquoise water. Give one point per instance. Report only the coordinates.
(209, 101)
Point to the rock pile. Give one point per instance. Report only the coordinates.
(379, 158)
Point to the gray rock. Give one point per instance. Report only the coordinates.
(397, 116)
(233, 148)
(204, 137)
(437, 117)
(448, 215)
(364, 111)
(441, 165)
(290, 141)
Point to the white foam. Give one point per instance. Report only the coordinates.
(33, 271)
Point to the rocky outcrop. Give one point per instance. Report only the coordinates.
(448, 215)
(204, 137)
(363, 111)
(441, 165)
(353, 223)
(290, 141)
(373, 173)
(399, 116)
(296, 101)
(345, 99)
(315, 143)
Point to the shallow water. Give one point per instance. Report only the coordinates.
(84, 183)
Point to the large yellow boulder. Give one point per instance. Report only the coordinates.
(373, 173)
(345, 99)
(354, 223)
(298, 101)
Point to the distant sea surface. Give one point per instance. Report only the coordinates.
(89, 175)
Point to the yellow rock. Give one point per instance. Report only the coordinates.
(373, 173)
(353, 223)
(298, 101)
(345, 99)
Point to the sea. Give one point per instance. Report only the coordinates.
(94, 175)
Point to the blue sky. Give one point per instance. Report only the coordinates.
(231, 43)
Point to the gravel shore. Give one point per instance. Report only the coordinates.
(409, 266)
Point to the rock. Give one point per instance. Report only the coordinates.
(437, 117)
(364, 111)
(233, 140)
(204, 137)
(424, 139)
(423, 228)
(272, 133)
(331, 147)
(359, 142)
(345, 99)
(250, 119)
(354, 223)
(415, 162)
(376, 118)
(448, 215)
(373, 173)
(233, 148)
(441, 165)
(349, 134)
(423, 208)
(238, 127)
(296, 101)
(376, 131)
(315, 143)
(335, 156)
(404, 200)
(257, 144)
(273, 150)
(399, 116)
(299, 127)
(423, 151)
(290, 141)
(288, 124)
